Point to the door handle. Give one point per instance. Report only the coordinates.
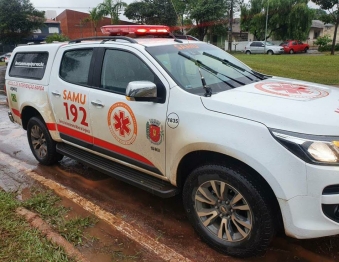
(56, 93)
(97, 103)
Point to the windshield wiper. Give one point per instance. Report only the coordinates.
(211, 70)
(234, 66)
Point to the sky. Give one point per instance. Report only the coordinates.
(82, 6)
(61, 5)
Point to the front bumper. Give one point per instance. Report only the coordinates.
(279, 52)
(304, 216)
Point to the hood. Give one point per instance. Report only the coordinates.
(282, 103)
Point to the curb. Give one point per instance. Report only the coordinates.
(45, 229)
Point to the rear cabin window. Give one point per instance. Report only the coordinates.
(30, 65)
(75, 66)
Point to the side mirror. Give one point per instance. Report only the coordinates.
(141, 91)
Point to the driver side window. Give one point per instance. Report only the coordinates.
(120, 68)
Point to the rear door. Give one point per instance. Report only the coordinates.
(130, 132)
(69, 92)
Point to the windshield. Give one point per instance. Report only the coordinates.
(186, 63)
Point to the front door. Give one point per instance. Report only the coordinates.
(130, 132)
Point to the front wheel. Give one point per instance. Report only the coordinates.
(228, 210)
(291, 51)
(305, 50)
(41, 143)
(270, 52)
(248, 52)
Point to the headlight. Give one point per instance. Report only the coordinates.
(321, 150)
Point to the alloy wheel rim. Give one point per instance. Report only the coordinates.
(38, 141)
(223, 211)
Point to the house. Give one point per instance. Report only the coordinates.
(74, 24)
(50, 27)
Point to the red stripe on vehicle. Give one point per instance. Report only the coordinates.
(16, 112)
(51, 126)
(121, 151)
(75, 134)
(103, 144)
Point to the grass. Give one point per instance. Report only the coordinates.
(323, 69)
(20, 242)
(46, 204)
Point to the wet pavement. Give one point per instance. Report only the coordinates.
(163, 220)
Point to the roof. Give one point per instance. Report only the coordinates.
(51, 21)
(163, 41)
(317, 24)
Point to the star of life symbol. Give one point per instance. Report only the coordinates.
(122, 123)
(289, 90)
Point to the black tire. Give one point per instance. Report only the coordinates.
(248, 52)
(291, 51)
(2, 59)
(306, 49)
(270, 52)
(41, 143)
(252, 210)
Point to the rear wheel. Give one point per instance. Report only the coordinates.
(248, 52)
(305, 50)
(41, 143)
(228, 210)
(270, 52)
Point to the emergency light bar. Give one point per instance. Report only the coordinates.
(138, 30)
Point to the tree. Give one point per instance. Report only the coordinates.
(18, 18)
(332, 7)
(112, 8)
(207, 13)
(287, 19)
(95, 15)
(156, 12)
(56, 38)
(318, 14)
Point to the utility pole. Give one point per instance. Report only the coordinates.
(268, 4)
(230, 30)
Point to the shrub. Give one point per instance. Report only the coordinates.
(57, 38)
(323, 41)
(328, 48)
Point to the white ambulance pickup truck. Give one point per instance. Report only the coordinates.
(247, 151)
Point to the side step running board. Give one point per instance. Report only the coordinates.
(131, 176)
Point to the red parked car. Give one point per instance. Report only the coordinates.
(294, 46)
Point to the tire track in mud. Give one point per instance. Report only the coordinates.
(162, 251)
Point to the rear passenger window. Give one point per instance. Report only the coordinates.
(75, 66)
(29, 65)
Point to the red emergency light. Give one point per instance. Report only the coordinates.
(138, 30)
